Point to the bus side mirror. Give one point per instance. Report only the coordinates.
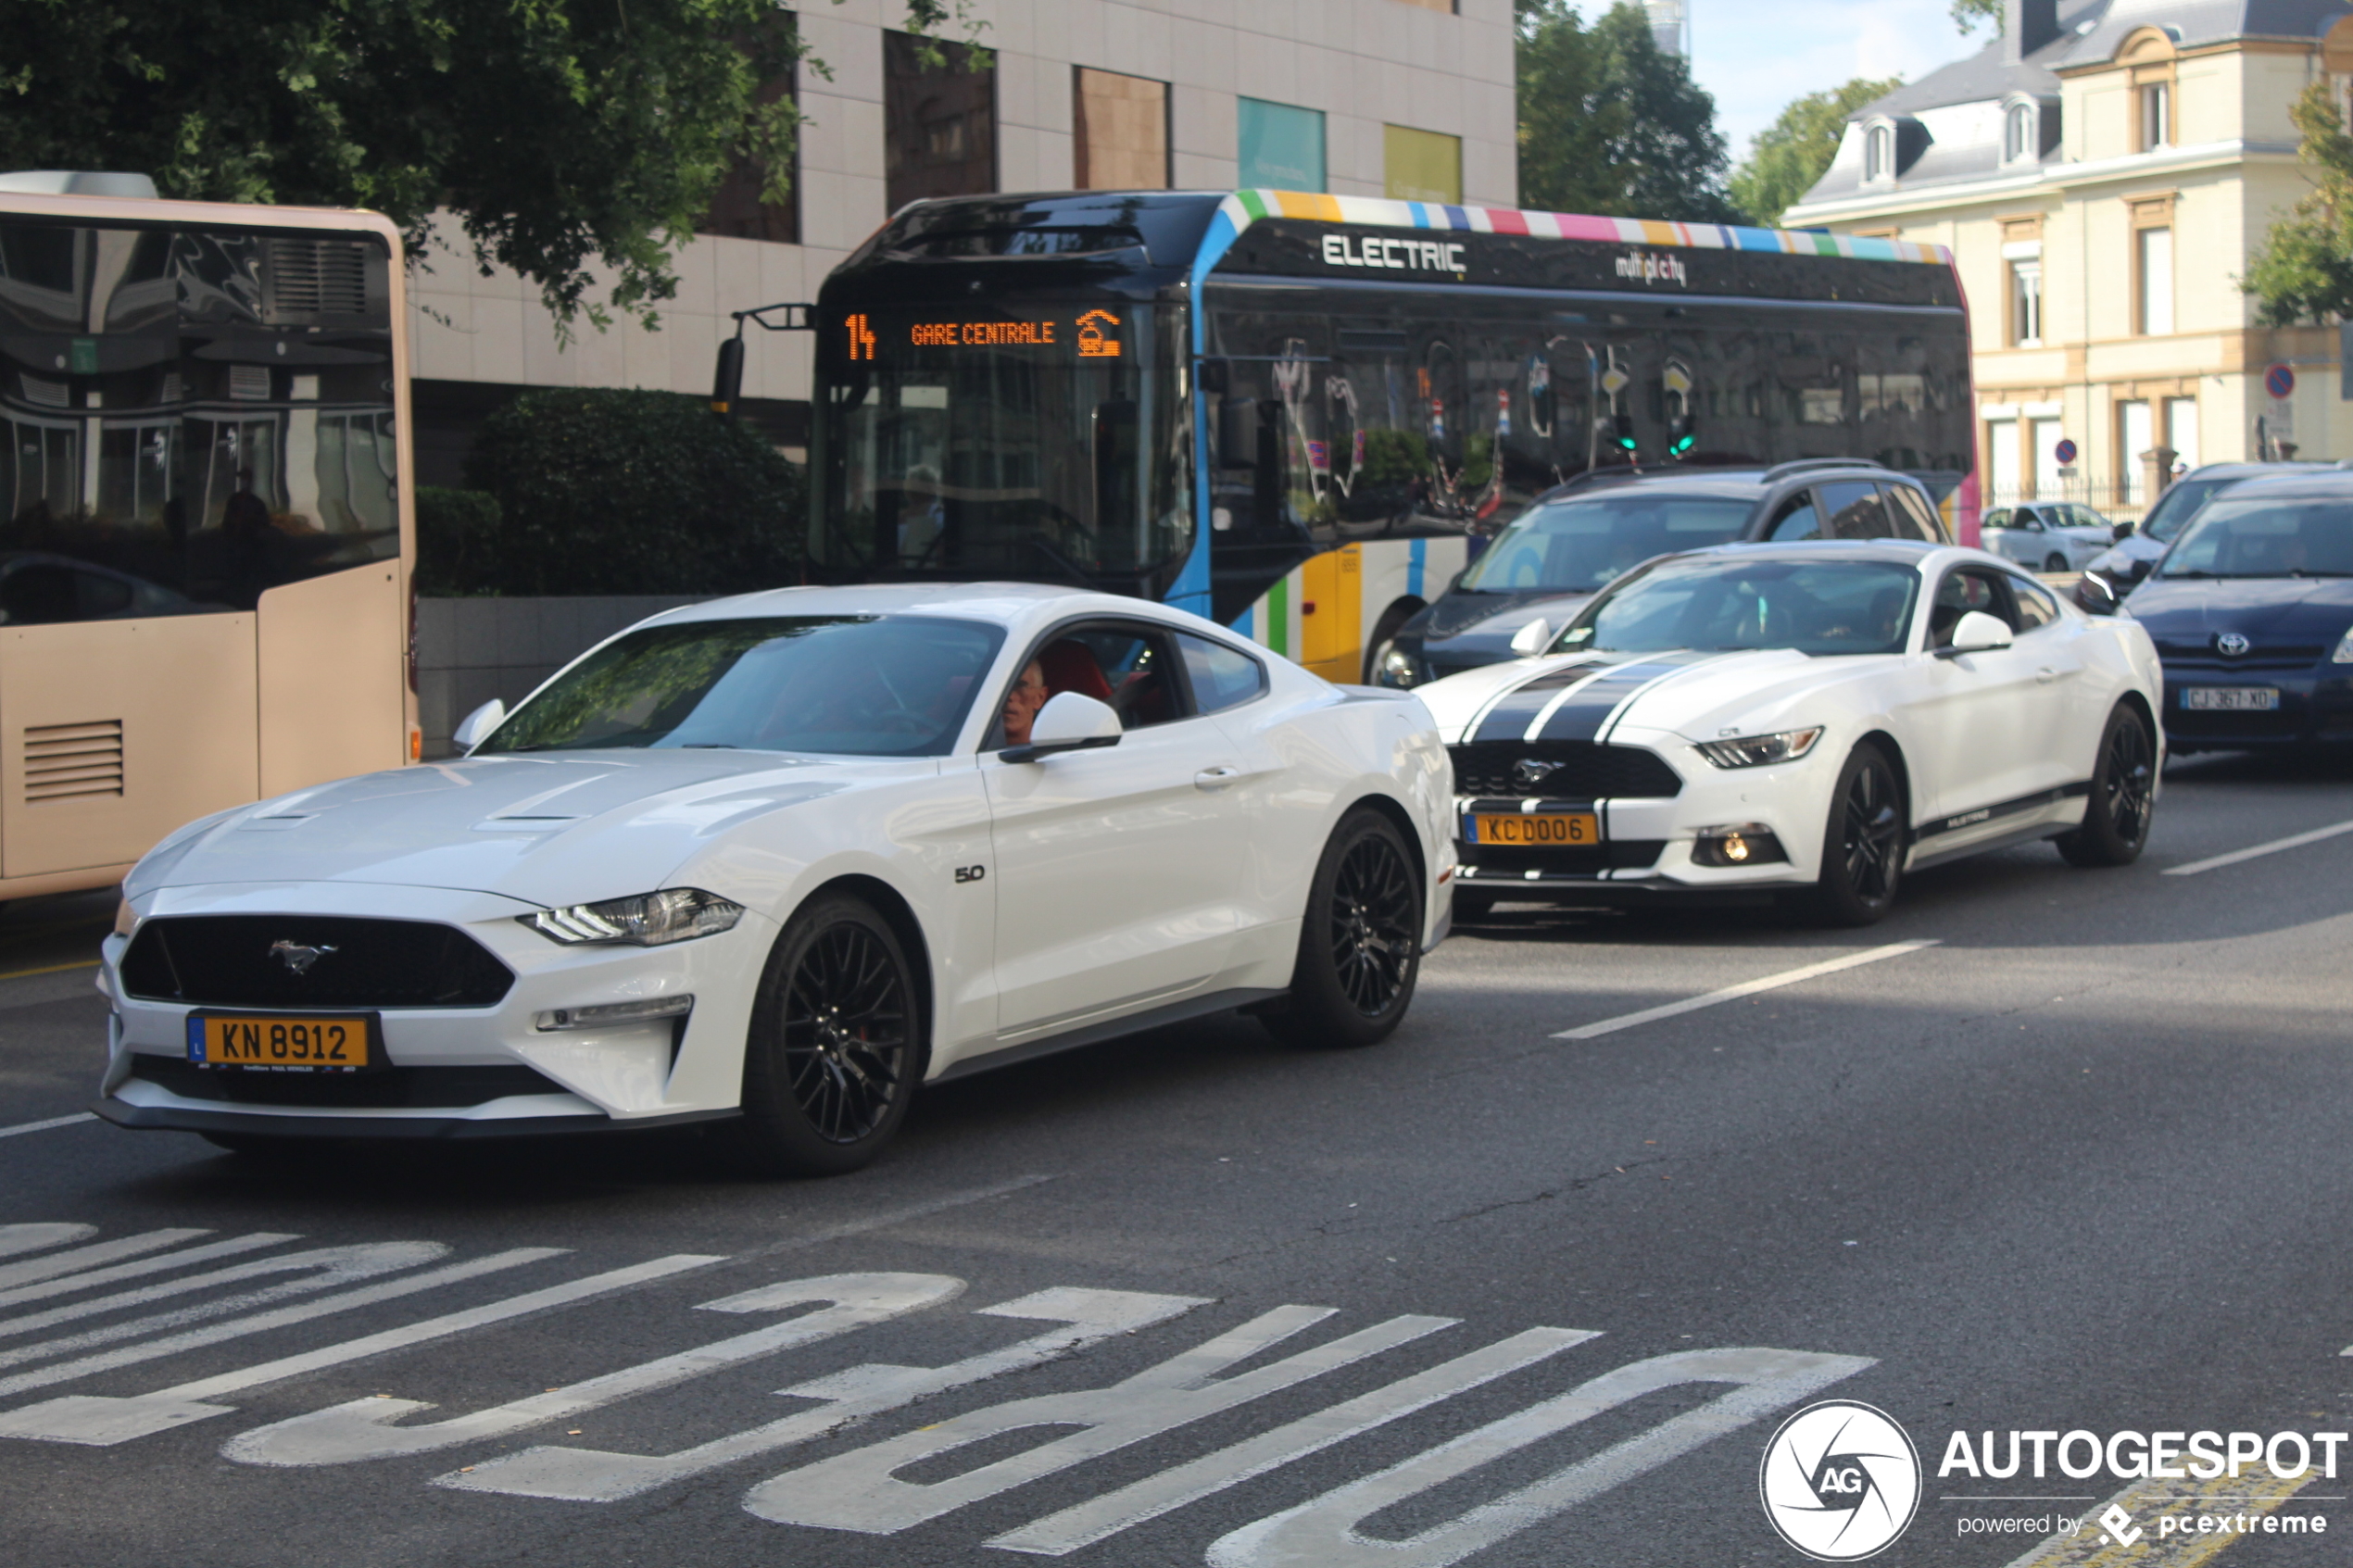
(1237, 433)
(727, 379)
(1116, 462)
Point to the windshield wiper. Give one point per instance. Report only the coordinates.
(709, 746)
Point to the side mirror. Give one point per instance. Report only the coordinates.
(2095, 594)
(475, 727)
(1070, 721)
(2121, 532)
(1976, 632)
(1529, 640)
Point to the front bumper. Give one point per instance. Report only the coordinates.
(481, 1072)
(2316, 708)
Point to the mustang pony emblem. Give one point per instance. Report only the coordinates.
(1529, 771)
(297, 956)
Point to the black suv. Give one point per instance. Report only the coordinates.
(1579, 536)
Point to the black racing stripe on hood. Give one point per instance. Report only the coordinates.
(1516, 708)
(1582, 716)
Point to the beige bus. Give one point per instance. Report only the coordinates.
(206, 538)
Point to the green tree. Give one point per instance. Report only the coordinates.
(1786, 158)
(568, 136)
(1611, 124)
(2303, 270)
(1966, 13)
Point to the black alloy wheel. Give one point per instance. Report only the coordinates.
(1863, 846)
(834, 1049)
(1359, 946)
(2123, 798)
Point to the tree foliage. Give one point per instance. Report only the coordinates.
(2303, 270)
(569, 137)
(1786, 158)
(1611, 124)
(1966, 13)
(606, 491)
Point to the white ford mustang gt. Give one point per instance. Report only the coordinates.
(1735, 722)
(777, 859)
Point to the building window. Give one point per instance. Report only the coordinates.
(1878, 152)
(2003, 480)
(2134, 436)
(2153, 282)
(2026, 302)
(737, 208)
(939, 122)
(2019, 141)
(1122, 133)
(2180, 432)
(1421, 166)
(2157, 116)
(1281, 145)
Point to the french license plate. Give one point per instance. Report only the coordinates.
(2231, 699)
(330, 1043)
(1544, 830)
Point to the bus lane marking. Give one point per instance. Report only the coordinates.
(362, 1429)
(1747, 988)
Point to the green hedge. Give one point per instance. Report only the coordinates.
(606, 491)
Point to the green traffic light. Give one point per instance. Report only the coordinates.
(1683, 446)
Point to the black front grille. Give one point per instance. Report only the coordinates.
(235, 960)
(1587, 770)
(396, 1088)
(1502, 865)
(2207, 655)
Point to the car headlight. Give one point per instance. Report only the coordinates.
(2344, 654)
(1398, 668)
(1755, 751)
(650, 920)
(125, 922)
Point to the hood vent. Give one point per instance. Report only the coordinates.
(65, 761)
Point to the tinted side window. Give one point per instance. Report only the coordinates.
(1798, 519)
(2036, 607)
(1125, 665)
(1998, 518)
(1222, 677)
(1962, 591)
(1915, 519)
(1856, 511)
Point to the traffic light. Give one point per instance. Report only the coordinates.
(1625, 426)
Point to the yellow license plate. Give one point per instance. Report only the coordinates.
(1538, 828)
(328, 1043)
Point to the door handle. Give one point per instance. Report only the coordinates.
(1217, 777)
(2046, 676)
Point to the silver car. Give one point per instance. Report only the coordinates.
(2048, 535)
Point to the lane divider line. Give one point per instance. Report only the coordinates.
(2294, 841)
(23, 1127)
(52, 968)
(1747, 988)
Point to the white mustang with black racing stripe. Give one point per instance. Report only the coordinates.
(1742, 721)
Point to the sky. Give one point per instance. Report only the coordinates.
(1755, 56)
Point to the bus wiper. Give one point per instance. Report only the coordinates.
(1077, 572)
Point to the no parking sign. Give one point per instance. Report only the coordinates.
(2279, 380)
(2064, 451)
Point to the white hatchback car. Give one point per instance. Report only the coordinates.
(1742, 722)
(2052, 537)
(777, 859)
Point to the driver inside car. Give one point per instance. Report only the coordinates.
(1029, 694)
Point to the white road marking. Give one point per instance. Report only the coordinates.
(588, 1475)
(262, 1323)
(1105, 1516)
(88, 1278)
(1747, 988)
(99, 1421)
(33, 1238)
(362, 1429)
(861, 1491)
(88, 1257)
(23, 1127)
(2212, 862)
(1322, 1534)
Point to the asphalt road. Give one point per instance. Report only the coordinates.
(2075, 1163)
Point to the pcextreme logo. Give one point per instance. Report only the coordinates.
(1840, 1481)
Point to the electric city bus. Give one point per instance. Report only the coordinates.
(1299, 415)
(206, 547)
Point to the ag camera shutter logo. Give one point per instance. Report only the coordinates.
(1840, 1481)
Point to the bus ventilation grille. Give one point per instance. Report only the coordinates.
(313, 278)
(65, 761)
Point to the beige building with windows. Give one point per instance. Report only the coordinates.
(2103, 172)
(1403, 98)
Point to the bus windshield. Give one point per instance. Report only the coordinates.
(1041, 442)
(1575, 546)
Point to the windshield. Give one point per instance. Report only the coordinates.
(2259, 538)
(2178, 505)
(894, 685)
(1576, 547)
(1034, 441)
(1718, 605)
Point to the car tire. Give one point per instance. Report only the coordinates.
(1360, 949)
(834, 1049)
(2116, 817)
(2054, 562)
(1863, 842)
(1473, 904)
